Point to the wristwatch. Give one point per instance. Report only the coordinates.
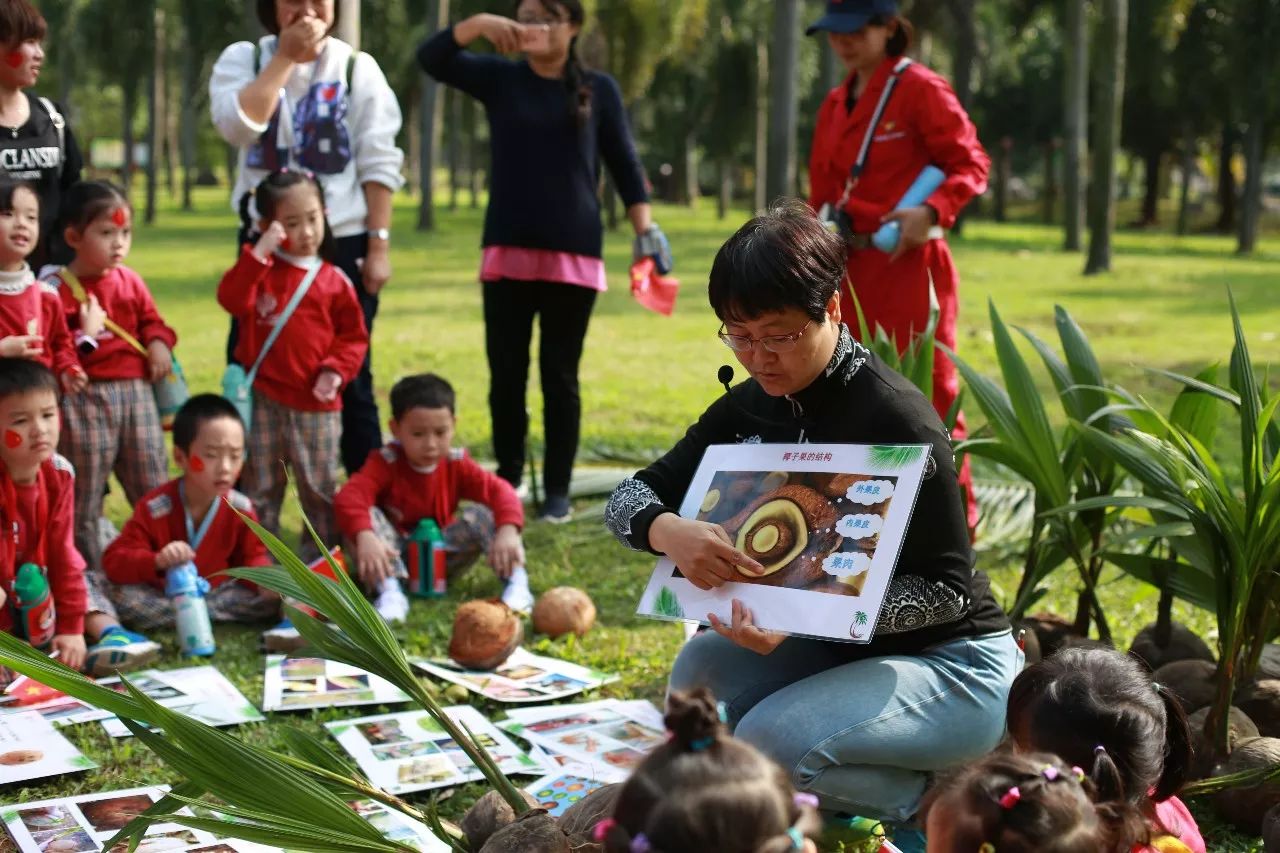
(380, 233)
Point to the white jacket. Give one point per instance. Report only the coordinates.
(372, 122)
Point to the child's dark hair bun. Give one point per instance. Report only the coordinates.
(693, 718)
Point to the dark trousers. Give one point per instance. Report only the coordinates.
(564, 311)
(361, 427)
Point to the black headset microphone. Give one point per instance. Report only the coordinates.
(725, 375)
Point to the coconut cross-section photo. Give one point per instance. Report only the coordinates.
(809, 529)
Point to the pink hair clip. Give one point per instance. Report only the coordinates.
(1010, 798)
(1079, 773)
(602, 828)
(1050, 772)
(803, 798)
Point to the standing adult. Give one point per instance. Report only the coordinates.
(301, 98)
(876, 131)
(36, 144)
(551, 122)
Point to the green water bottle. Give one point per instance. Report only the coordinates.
(34, 603)
(424, 558)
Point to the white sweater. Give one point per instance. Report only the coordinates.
(373, 120)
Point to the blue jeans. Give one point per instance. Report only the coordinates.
(862, 735)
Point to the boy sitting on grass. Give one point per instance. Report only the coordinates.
(421, 475)
(184, 521)
(37, 489)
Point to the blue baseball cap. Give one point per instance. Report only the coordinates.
(849, 16)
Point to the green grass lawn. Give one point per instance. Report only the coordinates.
(645, 377)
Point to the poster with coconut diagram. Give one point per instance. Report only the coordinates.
(825, 520)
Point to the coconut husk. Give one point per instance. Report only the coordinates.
(1269, 662)
(793, 556)
(533, 832)
(489, 814)
(580, 818)
(1246, 807)
(1184, 644)
(1051, 630)
(1203, 753)
(1192, 681)
(1261, 701)
(563, 610)
(1271, 830)
(485, 633)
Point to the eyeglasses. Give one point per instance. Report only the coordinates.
(772, 343)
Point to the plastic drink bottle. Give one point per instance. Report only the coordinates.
(186, 589)
(34, 602)
(930, 178)
(424, 557)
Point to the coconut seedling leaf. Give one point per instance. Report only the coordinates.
(667, 604)
(891, 457)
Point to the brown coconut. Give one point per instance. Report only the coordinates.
(580, 818)
(1192, 681)
(1051, 630)
(1261, 701)
(563, 610)
(1271, 829)
(1246, 807)
(790, 561)
(1184, 644)
(485, 633)
(1203, 753)
(1269, 662)
(489, 814)
(533, 832)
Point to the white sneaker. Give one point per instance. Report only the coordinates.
(392, 605)
(516, 594)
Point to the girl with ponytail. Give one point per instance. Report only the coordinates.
(552, 123)
(704, 790)
(1099, 709)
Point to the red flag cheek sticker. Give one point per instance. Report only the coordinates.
(12, 439)
(197, 464)
(284, 244)
(120, 217)
(14, 59)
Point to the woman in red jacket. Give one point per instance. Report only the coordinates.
(876, 131)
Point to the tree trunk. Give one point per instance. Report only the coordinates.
(1255, 146)
(190, 79)
(1049, 192)
(724, 177)
(349, 22)
(966, 48)
(154, 82)
(129, 107)
(1150, 188)
(830, 69)
(1074, 142)
(437, 19)
(1163, 634)
(1226, 180)
(762, 122)
(454, 100)
(1004, 154)
(1187, 167)
(780, 174)
(1106, 121)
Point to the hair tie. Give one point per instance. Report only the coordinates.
(804, 798)
(1079, 773)
(1099, 749)
(602, 828)
(699, 744)
(640, 844)
(987, 847)
(1050, 772)
(797, 838)
(722, 711)
(1010, 798)
(1158, 686)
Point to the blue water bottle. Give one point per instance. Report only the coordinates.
(186, 589)
(930, 178)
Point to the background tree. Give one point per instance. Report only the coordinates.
(1152, 107)
(1107, 102)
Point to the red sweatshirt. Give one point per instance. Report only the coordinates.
(37, 520)
(29, 307)
(326, 332)
(124, 296)
(408, 495)
(159, 518)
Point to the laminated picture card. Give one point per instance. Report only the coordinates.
(291, 684)
(825, 520)
(524, 677)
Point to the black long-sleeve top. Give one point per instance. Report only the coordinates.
(935, 595)
(545, 168)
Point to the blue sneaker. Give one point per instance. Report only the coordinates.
(118, 650)
(283, 638)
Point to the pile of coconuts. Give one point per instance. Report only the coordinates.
(491, 825)
(486, 631)
(1185, 666)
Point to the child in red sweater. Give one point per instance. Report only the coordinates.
(421, 475)
(113, 424)
(36, 497)
(296, 400)
(184, 521)
(31, 321)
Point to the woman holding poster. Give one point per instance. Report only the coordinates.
(860, 725)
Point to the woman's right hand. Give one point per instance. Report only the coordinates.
(502, 32)
(703, 552)
(303, 39)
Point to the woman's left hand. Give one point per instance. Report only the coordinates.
(744, 631)
(915, 223)
(375, 267)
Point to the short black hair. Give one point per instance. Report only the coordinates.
(784, 258)
(9, 187)
(267, 16)
(422, 390)
(88, 200)
(19, 22)
(22, 376)
(197, 412)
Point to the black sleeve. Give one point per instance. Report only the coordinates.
(478, 75)
(74, 161)
(661, 487)
(617, 146)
